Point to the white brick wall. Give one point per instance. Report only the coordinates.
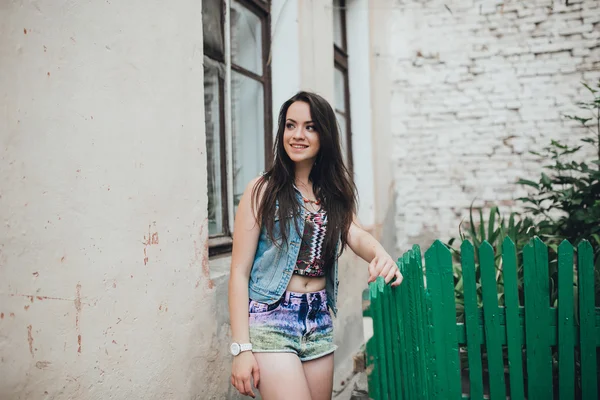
(477, 86)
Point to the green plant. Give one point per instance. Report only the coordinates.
(519, 229)
(566, 198)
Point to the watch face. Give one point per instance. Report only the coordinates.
(235, 349)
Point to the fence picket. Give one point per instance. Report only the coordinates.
(378, 335)
(513, 324)
(438, 262)
(537, 321)
(566, 329)
(587, 327)
(399, 295)
(402, 358)
(416, 279)
(471, 320)
(436, 362)
(410, 336)
(433, 378)
(493, 330)
(403, 301)
(372, 359)
(388, 339)
(393, 341)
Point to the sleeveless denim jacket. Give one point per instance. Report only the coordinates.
(273, 266)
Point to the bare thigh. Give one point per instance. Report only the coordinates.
(281, 377)
(319, 375)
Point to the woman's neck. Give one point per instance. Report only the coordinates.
(302, 174)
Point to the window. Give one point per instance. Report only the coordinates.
(236, 105)
(341, 84)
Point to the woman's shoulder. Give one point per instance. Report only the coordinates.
(257, 186)
(258, 181)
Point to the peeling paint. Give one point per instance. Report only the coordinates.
(151, 239)
(31, 297)
(201, 254)
(42, 364)
(30, 339)
(77, 302)
(78, 297)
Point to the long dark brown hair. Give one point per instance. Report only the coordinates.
(332, 182)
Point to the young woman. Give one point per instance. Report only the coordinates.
(291, 225)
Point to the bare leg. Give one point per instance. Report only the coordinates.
(281, 377)
(319, 374)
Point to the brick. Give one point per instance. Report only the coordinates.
(518, 50)
(553, 47)
(534, 19)
(584, 28)
(595, 35)
(580, 52)
(590, 16)
(561, 7)
(569, 69)
(524, 28)
(524, 12)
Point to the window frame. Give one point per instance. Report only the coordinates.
(340, 58)
(222, 243)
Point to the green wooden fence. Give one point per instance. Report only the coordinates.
(503, 348)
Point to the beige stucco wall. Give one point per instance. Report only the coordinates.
(381, 79)
(106, 290)
(315, 24)
(103, 286)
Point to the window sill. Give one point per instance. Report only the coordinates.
(219, 245)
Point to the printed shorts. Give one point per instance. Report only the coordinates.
(297, 323)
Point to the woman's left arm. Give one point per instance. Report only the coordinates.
(364, 245)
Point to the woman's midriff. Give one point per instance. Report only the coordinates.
(305, 284)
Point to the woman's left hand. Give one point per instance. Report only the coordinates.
(383, 265)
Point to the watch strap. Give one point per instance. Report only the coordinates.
(245, 347)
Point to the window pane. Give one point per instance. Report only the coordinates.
(246, 38)
(212, 27)
(343, 135)
(337, 24)
(247, 105)
(213, 150)
(339, 87)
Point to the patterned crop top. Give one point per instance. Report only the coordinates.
(310, 258)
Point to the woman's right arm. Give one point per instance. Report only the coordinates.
(245, 240)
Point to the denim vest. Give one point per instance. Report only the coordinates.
(273, 266)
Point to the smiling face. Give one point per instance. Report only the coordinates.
(300, 139)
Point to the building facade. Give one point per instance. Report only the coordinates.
(128, 133)
(129, 130)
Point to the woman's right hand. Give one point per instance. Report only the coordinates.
(245, 366)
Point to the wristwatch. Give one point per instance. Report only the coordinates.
(237, 348)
